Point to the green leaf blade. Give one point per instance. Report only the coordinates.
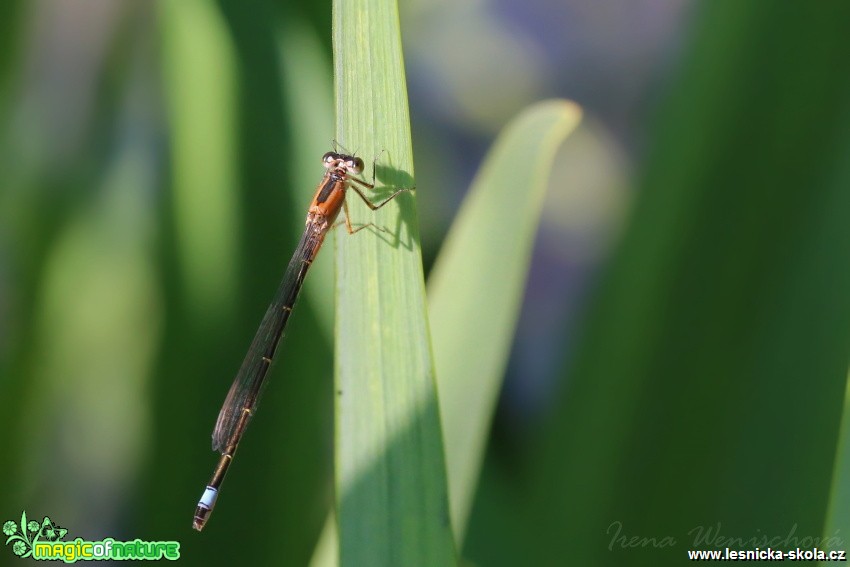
(477, 285)
(392, 499)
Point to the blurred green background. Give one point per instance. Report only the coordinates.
(680, 363)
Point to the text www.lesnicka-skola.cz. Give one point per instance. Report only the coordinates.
(813, 554)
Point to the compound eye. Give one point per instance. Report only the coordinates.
(329, 158)
(355, 164)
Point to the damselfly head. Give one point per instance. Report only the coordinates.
(351, 164)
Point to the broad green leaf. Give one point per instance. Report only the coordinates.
(392, 500)
(704, 401)
(476, 287)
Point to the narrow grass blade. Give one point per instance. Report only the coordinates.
(477, 285)
(392, 500)
(838, 515)
(200, 81)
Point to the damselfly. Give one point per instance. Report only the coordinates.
(241, 401)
